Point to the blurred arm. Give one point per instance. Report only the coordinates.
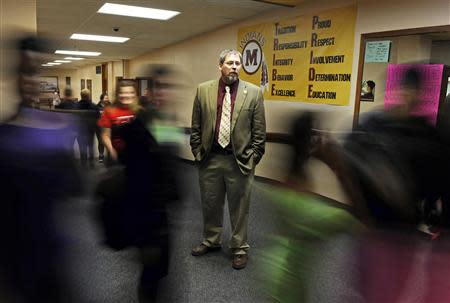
(106, 138)
(196, 134)
(258, 128)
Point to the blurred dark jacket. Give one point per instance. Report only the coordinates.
(89, 115)
(84, 104)
(402, 155)
(36, 171)
(135, 198)
(67, 103)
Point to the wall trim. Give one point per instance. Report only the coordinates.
(265, 180)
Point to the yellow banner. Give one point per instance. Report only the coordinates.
(304, 59)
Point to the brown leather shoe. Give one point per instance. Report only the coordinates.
(202, 249)
(239, 261)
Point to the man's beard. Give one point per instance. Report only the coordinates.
(231, 78)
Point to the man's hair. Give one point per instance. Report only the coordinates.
(68, 92)
(85, 93)
(371, 84)
(30, 44)
(124, 83)
(412, 79)
(135, 107)
(226, 52)
(162, 70)
(35, 44)
(30, 50)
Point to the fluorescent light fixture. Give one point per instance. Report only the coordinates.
(99, 38)
(62, 61)
(136, 11)
(47, 64)
(73, 58)
(54, 63)
(77, 53)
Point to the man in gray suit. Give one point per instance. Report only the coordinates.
(228, 138)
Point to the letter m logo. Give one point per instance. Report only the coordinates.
(251, 57)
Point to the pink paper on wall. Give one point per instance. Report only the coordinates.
(431, 88)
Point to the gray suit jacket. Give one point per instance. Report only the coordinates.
(248, 125)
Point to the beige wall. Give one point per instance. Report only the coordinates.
(115, 69)
(386, 15)
(16, 16)
(62, 74)
(88, 72)
(110, 79)
(414, 49)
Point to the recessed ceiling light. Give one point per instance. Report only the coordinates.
(47, 64)
(73, 58)
(77, 53)
(62, 61)
(54, 63)
(99, 38)
(137, 11)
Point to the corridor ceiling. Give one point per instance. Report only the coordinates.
(59, 19)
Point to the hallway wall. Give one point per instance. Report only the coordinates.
(198, 59)
(16, 17)
(115, 69)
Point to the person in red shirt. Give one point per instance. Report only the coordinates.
(122, 112)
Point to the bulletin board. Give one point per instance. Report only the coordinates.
(48, 84)
(308, 58)
(431, 77)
